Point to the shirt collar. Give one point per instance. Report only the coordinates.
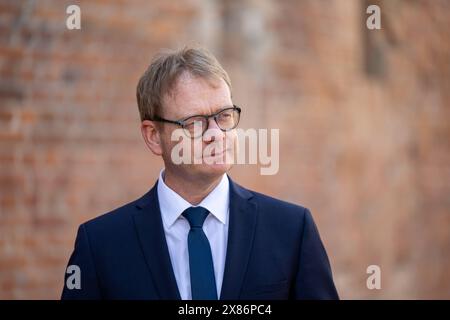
(172, 204)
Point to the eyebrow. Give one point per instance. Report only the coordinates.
(214, 111)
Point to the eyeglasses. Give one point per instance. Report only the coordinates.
(226, 119)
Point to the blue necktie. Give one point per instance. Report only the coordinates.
(203, 283)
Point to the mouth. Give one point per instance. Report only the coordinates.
(220, 153)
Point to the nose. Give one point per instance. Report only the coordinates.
(213, 133)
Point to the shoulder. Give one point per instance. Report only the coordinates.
(279, 220)
(275, 203)
(275, 209)
(113, 222)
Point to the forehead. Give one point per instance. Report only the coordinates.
(196, 95)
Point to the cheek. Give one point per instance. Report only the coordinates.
(231, 139)
(166, 143)
(192, 146)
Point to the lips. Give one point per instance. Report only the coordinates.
(214, 153)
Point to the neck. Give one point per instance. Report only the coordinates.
(191, 190)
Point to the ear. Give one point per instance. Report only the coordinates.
(151, 136)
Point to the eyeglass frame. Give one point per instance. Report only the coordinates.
(182, 124)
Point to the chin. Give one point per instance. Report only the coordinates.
(213, 170)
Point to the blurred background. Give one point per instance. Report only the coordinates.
(363, 118)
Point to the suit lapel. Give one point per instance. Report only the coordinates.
(241, 230)
(149, 227)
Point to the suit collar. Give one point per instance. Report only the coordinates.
(172, 205)
(239, 191)
(242, 224)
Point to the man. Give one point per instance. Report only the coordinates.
(197, 234)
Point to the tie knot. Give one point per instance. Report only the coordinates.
(196, 216)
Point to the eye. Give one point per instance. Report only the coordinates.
(193, 121)
(226, 114)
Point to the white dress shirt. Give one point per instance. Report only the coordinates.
(176, 229)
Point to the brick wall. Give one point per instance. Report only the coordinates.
(363, 118)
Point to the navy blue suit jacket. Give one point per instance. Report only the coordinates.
(274, 252)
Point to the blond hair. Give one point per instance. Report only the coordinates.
(161, 76)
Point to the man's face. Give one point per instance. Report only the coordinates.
(197, 96)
